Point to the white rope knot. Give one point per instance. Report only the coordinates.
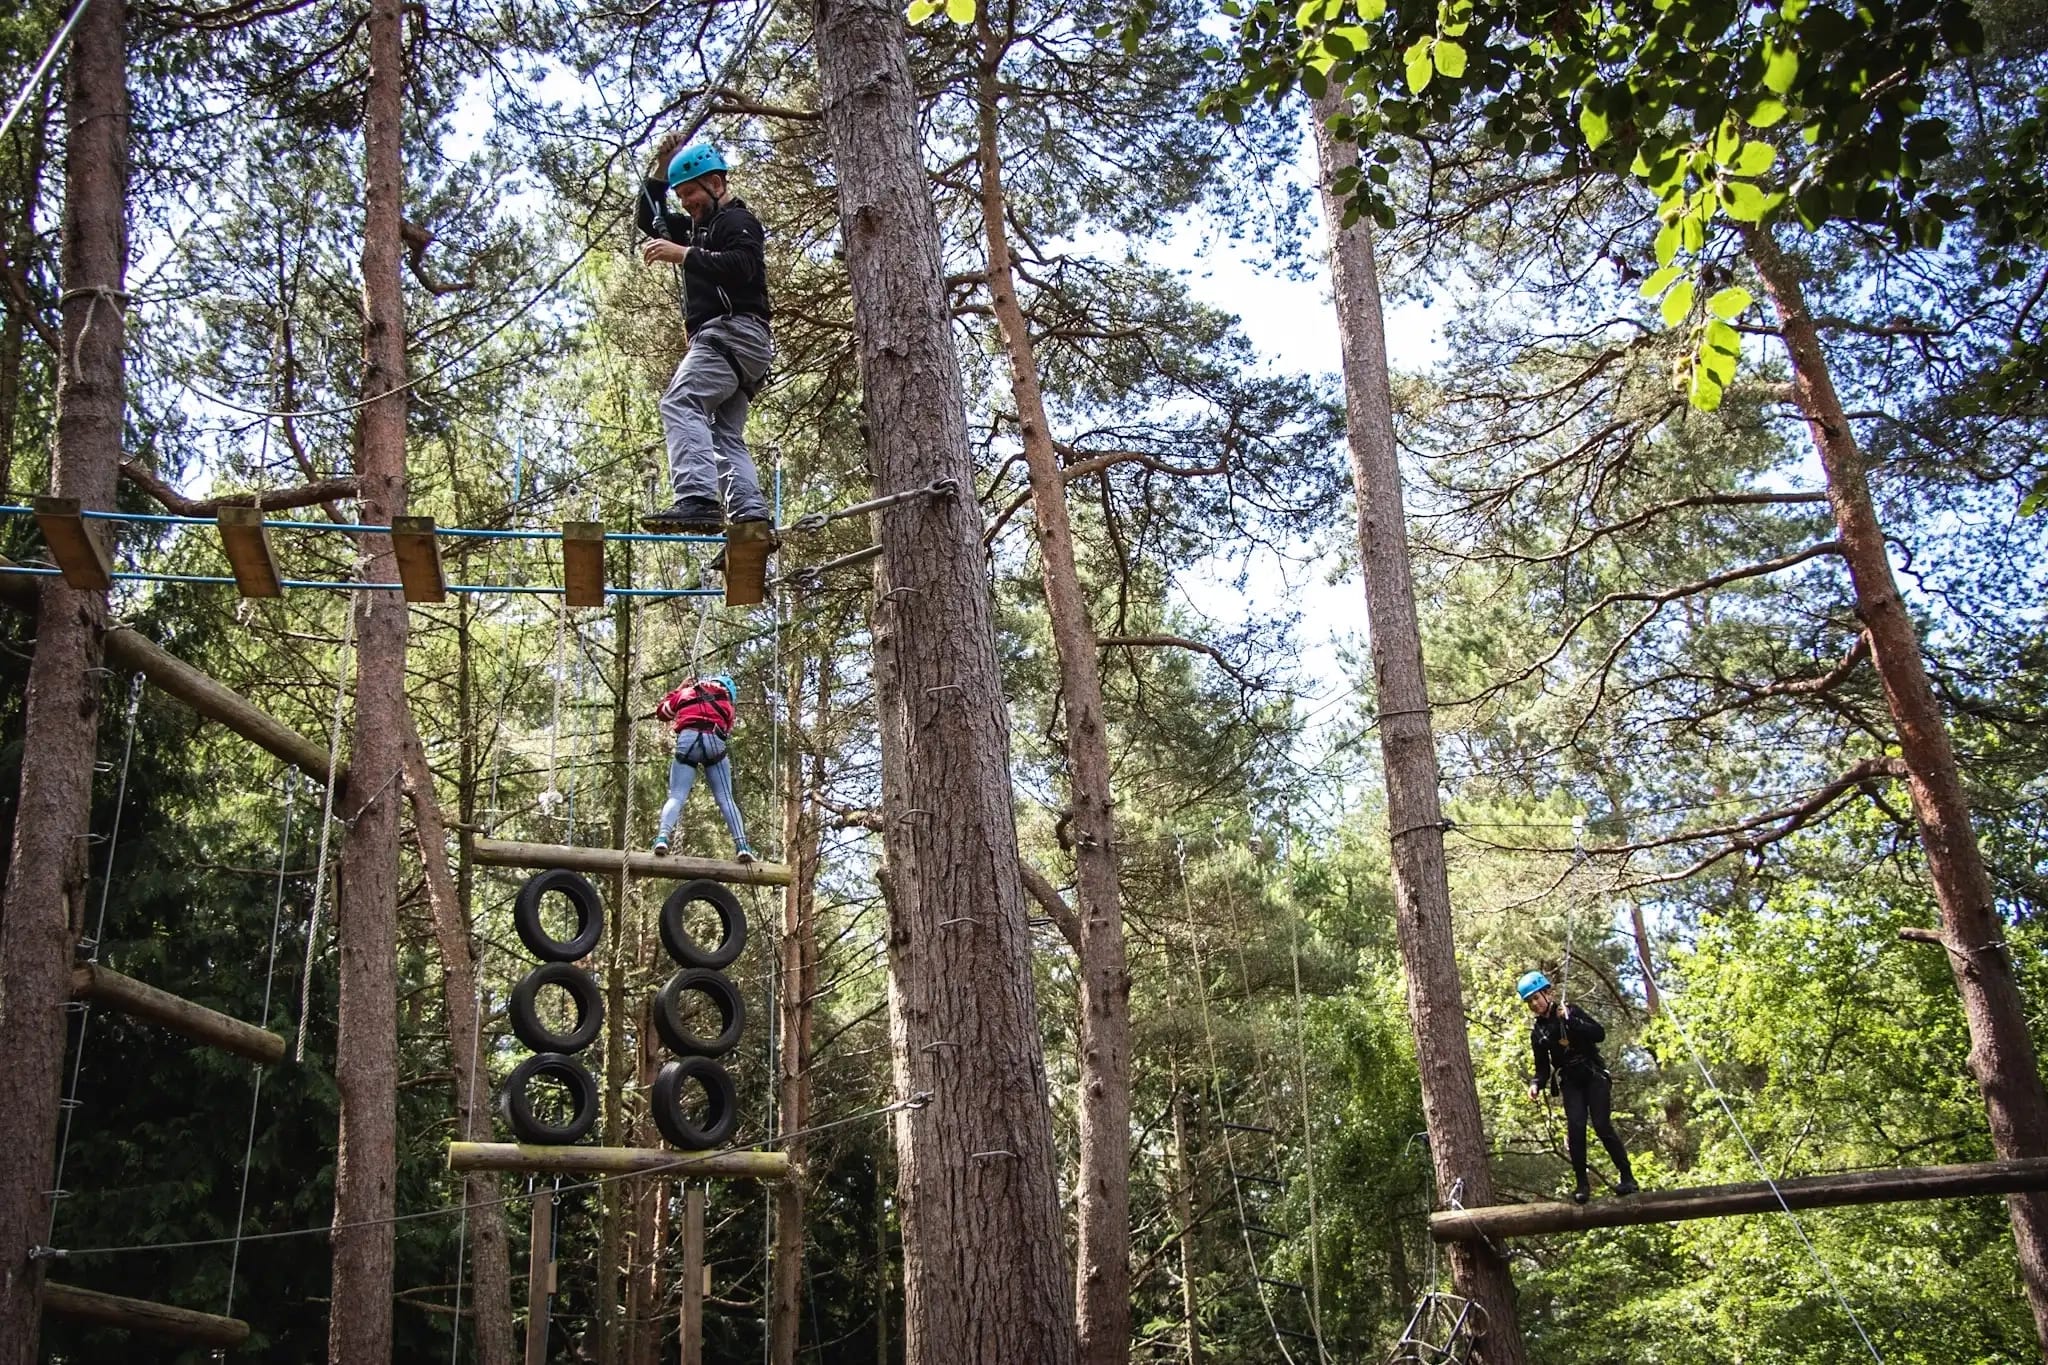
(94, 293)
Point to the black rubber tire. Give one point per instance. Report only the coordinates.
(582, 897)
(668, 1013)
(722, 1115)
(518, 1110)
(675, 934)
(582, 987)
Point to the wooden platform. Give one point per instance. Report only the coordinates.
(1721, 1201)
(90, 981)
(601, 861)
(140, 1315)
(528, 1159)
(747, 547)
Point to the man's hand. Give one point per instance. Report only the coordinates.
(1534, 1093)
(670, 144)
(660, 249)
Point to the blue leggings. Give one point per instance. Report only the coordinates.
(701, 749)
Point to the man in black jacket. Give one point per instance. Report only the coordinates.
(718, 244)
(1566, 1041)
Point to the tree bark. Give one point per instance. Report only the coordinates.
(2002, 1055)
(366, 916)
(985, 1275)
(799, 967)
(43, 908)
(490, 1250)
(1103, 1243)
(1436, 1008)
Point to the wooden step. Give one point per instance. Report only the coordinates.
(102, 986)
(140, 1315)
(505, 853)
(526, 1158)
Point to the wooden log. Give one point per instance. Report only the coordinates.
(530, 1159)
(1721, 1201)
(583, 563)
(696, 1282)
(1910, 935)
(540, 1277)
(504, 853)
(246, 540)
(140, 1315)
(419, 559)
(102, 986)
(73, 544)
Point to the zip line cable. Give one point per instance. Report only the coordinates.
(35, 80)
(348, 629)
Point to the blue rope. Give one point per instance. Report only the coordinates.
(344, 586)
(164, 519)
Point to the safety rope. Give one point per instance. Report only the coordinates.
(35, 79)
(348, 631)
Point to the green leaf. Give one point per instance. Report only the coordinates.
(1705, 392)
(1372, 10)
(1781, 67)
(1593, 125)
(1692, 233)
(1660, 281)
(1721, 337)
(1727, 140)
(1767, 113)
(1667, 243)
(1348, 41)
(1755, 158)
(921, 10)
(1312, 82)
(1420, 68)
(1745, 202)
(1305, 14)
(960, 11)
(1677, 303)
(1730, 303)
(1449, 57)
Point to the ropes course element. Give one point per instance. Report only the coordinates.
(326, 829)
(35, 79)
(1456, 1322)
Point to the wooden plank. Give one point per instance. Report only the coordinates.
(695, 1281)
(1721, 1201)
(583, 563)
(540, 1277)
(747, 546)
(90, 981)
(505, 853)
(246, 540)
(530, 1159)
(73, 544)
(140, 1315)
(419, 559)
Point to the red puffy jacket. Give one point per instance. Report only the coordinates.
(699, 704)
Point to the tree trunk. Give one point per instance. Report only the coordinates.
(1436, 1008)
(366, 915)
(23, 194)
(617, 1060)
(1184, 1220)
(800, 843)
(1103, 1243)
(46, 876)
(490, 1253)
(2001, 1049)
(985, 1275)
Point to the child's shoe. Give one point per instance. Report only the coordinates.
(744, 856)
(661, 845)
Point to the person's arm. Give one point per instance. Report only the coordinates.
(735, 255)
(651, 215)
(1582, 1028)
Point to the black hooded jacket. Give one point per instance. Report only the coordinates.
(726, 272)
(1566, 1042)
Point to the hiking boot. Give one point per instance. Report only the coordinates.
(1581, 1192)
(690, 515)
(1627, 1186)
(661, 846)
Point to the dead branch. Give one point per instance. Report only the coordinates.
(1180, 642)
(278, 499)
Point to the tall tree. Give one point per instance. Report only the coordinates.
(984, 1271)
(44, 908)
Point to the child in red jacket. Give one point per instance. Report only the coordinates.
(701, 711)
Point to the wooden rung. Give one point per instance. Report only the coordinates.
(1721, 1201)
(140, 1315)
(503, 853)
(583, 563)
(530, 1159)
(419, 559)
(73, 544)
(247, 542)
(90, 981)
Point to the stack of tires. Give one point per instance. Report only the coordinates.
(701, 974)
(555, 1049)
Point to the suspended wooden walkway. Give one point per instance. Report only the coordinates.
(504, 853)
(1721, 1201)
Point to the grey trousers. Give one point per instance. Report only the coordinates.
(704, 416)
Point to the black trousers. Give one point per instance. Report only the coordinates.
(1590, 1095)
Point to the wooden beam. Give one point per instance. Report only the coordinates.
(529, 1159)
(1721, 1201)
(419, 559)
(1910, 935)
(696, 1283)
(540, 1277)
(247, 542)
(140, 1315)
(73, 544)
(90, 981)
(504, 853)
(583, 563)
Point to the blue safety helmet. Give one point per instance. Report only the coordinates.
(724, 680)
(699, 158)
(1531, 983)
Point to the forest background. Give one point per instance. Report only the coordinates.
(1656, 720)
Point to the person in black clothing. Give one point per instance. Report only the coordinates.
(1566, 1041)
(718, 244)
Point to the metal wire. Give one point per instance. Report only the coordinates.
(35, 79)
